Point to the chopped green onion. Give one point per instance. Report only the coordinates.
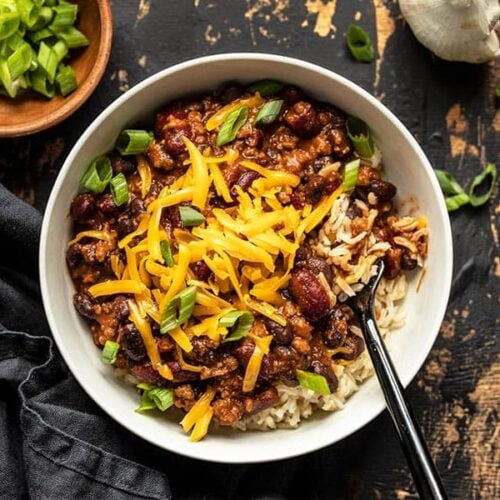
(60, 49)
(20, 61)
(447, 182)
(497, 91)
(478, 200)
(9, 22)
(456, 201)
(155, 398)
(66, 80)
(351, 171)
(313, 381)
(98, 175)
(239, 321)
(178, 310)
(74, 38)
(10, 86)
(119, 189)
(109, 352)
(191, 217)
(231, 126)
(64, 15)
(359, 44)
(45, 15)
(38, 36)
(132, 142)
(361, 136)
(40, 83)
(269, 112)
(28, 12)
(166, 252)
(265, 87)
(48, 60)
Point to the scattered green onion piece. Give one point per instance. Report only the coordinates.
(269, 112)
(313, 381)
(231, 126)
(361, 136)
(456, 201)
(40, 83)
(239, 322)
(66, 80)
(265, 87)
(146, 403)
(178, 310)
(20, 61)
(360, 44)
(45, 15)
(191, 217)
(132, 142)
(98, 175)
(351, 171)
(144, 386)
(166, 252)
(478, 200)
(119, 189)
(497, 91)
(9, 22)
(48, 61)
(161, 397)
(64, 15)
(74, 38)
(109, 352)
(447, 182)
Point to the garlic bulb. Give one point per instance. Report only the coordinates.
(455, 30)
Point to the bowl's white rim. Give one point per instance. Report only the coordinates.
(378, 405)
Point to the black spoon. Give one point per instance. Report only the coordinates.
(425, 475)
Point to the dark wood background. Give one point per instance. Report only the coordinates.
(451, 110)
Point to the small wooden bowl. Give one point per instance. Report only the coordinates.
(31, 112)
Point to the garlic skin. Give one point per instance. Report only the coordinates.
(455, 30)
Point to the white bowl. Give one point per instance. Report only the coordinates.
(405, 165)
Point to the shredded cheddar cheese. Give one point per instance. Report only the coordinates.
(98, 235)
(117, 286)
(253, 368)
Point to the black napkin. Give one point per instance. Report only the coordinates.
(54, 442)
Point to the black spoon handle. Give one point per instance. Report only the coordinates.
(422, 467)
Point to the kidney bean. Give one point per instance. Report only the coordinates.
(282, 335)
(137, 207)
(336, 330)
(302, 118)
(179, 374)
(146, 373)
(356, 344)
(83, 207)
(121, 164)
(230, 93)
(292, 94)
(326, 371)
(318, 265)
(126, 225)
(407, 262)
(392, 261)
(201, 270)
(244, 181)
(309, 293)
(83, 304)
(383, 190)
(131, 342)
(107, 206)
(74, 255)
(261, 401)
(120, 308)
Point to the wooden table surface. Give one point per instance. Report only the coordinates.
(451, 110)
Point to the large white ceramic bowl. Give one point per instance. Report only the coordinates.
(405, 165)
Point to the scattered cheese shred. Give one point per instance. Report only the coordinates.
(98, 235)
(145, 174)
(216, 120)
(201, 179)
(201, 427)
(117, 286)
(198, 409)
(253, 368)
(181, 339)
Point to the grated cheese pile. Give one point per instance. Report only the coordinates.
(249, 247)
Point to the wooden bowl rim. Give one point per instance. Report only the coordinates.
(83, 92)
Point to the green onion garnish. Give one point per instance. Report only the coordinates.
(40, 83)
(155, 398)
(38, 36)
(178, 310)
(191, 217)
(265, 87)
(48, 60)
(231, 126)
(109, 352)
(132, 142)
(269, 112)
(9, 22)
(239, 322)
(64, 15)
(456, 201)
(361, 136)
(490, 173)
(360, 44)
(351, 171)
(98, 175)
(497, 91)
(28, 11)
(20, 60)
(66, 80)
(119, 189)
(166, 252)
(45, 15)
(447, 182)
(313, 381)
